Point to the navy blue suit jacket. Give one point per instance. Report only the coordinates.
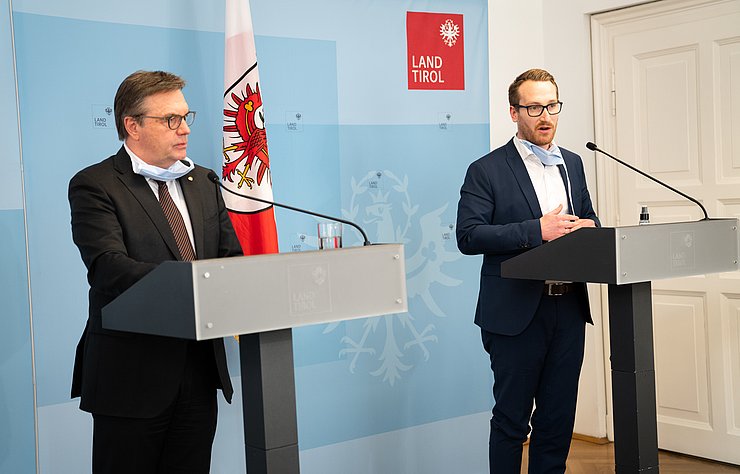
(498, 216)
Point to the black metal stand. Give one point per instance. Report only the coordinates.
(633, 378)
(268, 402)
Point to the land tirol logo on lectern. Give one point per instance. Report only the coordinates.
(435, 50)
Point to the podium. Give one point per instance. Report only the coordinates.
(628, 259)
(261, 298)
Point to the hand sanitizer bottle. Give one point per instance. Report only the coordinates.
(644, 216)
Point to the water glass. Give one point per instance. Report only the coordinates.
(330, 235)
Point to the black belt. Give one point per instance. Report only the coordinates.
(559, 289)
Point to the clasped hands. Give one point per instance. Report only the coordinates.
(554, 225)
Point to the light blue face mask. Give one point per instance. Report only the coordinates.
(553, 156)
(179, 169)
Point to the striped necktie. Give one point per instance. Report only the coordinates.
(177, 224)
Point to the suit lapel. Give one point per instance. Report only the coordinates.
(141, 191)
(191, 193)
(522, 177)
(566, 183)
(575, 184)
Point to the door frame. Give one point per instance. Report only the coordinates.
(604, 28)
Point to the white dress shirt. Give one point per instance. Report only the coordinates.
(172, 186)
(546, 179)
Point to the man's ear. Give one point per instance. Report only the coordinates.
(132, 127)
(514, 112)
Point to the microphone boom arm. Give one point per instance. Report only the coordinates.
(592, 146)
(286, 206)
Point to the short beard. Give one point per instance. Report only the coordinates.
(532, 138)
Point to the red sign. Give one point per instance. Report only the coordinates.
(436, 51)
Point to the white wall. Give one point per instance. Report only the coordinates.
(555, 35)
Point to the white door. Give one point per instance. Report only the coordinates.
(667, 100)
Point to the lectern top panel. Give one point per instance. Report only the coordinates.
(623, 255)
(241, 295)
(661, 251)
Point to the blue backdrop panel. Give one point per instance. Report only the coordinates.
(59, 138)
(401, 182)
(371, 55)
(299, 86)
(346, 137)
(401, 370)
(11, 196)
(176, 14)
(17, 441)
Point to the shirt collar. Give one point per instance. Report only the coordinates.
(136, 162)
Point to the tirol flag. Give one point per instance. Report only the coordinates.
(246, 165)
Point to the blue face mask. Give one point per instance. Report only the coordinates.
(179, 169)
(553, 156)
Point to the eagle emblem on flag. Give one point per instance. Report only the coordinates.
(246, 150)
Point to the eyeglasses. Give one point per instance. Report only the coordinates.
(173, 121)
(536, 110)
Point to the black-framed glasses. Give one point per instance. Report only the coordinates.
(173, 121)
(536, 110)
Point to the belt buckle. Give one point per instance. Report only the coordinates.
(555, 289)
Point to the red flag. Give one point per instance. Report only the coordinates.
(246, 165)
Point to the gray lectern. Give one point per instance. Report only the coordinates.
(628, 258)
(260, 298)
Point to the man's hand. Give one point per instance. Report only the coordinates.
(554, 225)
(583, 223)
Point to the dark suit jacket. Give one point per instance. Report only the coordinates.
(122, 234)
(498, 216)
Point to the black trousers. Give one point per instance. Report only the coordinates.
(176, 441)
(542, 365)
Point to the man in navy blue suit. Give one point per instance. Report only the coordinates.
(519, 196)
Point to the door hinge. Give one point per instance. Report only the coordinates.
(613, 94)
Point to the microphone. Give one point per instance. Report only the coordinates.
(592, 146)
(216, 180)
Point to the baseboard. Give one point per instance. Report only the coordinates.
(590, 439)
(582, 437)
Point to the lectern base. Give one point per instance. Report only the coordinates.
(633, 378)
(277, 460)
(268, 401)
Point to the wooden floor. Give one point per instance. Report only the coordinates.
(591, 458)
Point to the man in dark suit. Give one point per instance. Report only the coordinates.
(153, 399)
(519, 196)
